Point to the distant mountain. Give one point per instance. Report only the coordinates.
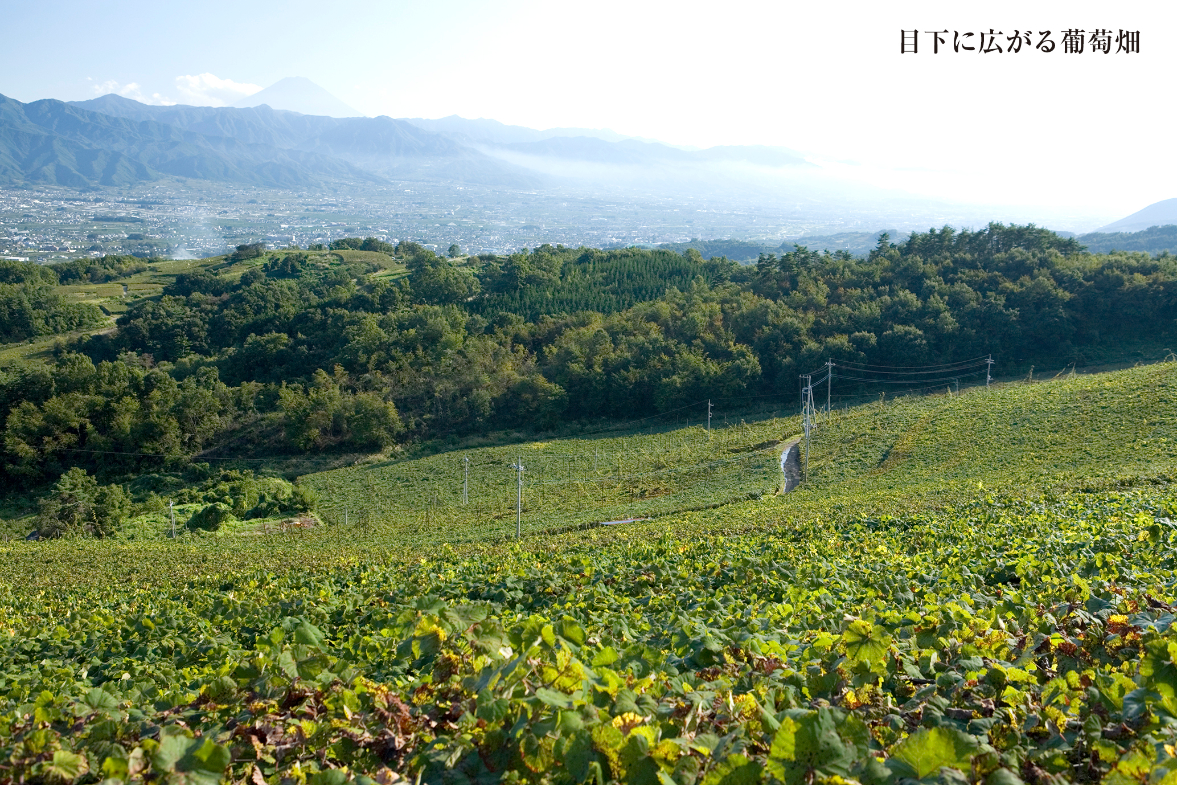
(633, 152)
(489, 153)
(736, 250)
(758, 155)
(298, 94)
(1154, 240)
(255, 125)
(857, 243)
(57, 143)
(1157, 214)
(597, 145)
(482, 131)
(589, 149)
(516, 143)
(380, 145)
(402, 150)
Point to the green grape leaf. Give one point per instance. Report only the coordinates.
(808, 745)
(67, 766)
(866, 643)
(926, 751)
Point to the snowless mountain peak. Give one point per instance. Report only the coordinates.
(299, 94)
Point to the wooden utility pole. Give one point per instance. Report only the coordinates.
(809, 397)
(808, 422)
(518, 467)
(466, 480)
(829, 386)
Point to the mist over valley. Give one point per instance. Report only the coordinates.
(221, 174)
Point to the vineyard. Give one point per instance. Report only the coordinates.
(1075, 431)
(476, 494)
(968, 588)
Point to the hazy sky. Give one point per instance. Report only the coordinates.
(1066, 130)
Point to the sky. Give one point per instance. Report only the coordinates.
(1070, 131)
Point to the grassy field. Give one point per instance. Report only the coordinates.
(977, 588)
(42, 348)
(373, 257)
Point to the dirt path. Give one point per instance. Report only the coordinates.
(790, 464)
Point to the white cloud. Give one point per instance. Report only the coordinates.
(211, 90)
(131, 90)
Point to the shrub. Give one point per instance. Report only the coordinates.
(303, 499)
(211, 518)
(248, 251)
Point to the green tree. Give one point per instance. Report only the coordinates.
(438, 282)
(78, 504)
(247, 251)
(314, 415)
(372, 421)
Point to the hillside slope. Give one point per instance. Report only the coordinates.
(1084, 431)
(1004, 635)
(1153, 240)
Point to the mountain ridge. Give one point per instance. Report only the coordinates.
(1162, 213)
(54, 142)
(382, 145)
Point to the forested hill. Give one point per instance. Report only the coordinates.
(292, 351)
(1154, 240)
(858, 243)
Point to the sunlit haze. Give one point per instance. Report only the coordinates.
(1060, 131)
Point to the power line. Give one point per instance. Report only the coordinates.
(910, 367)
(156, 454)
(899, 371)
(928, 382)
(947, 369)
(667, 470)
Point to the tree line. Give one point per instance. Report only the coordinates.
(325, 356)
